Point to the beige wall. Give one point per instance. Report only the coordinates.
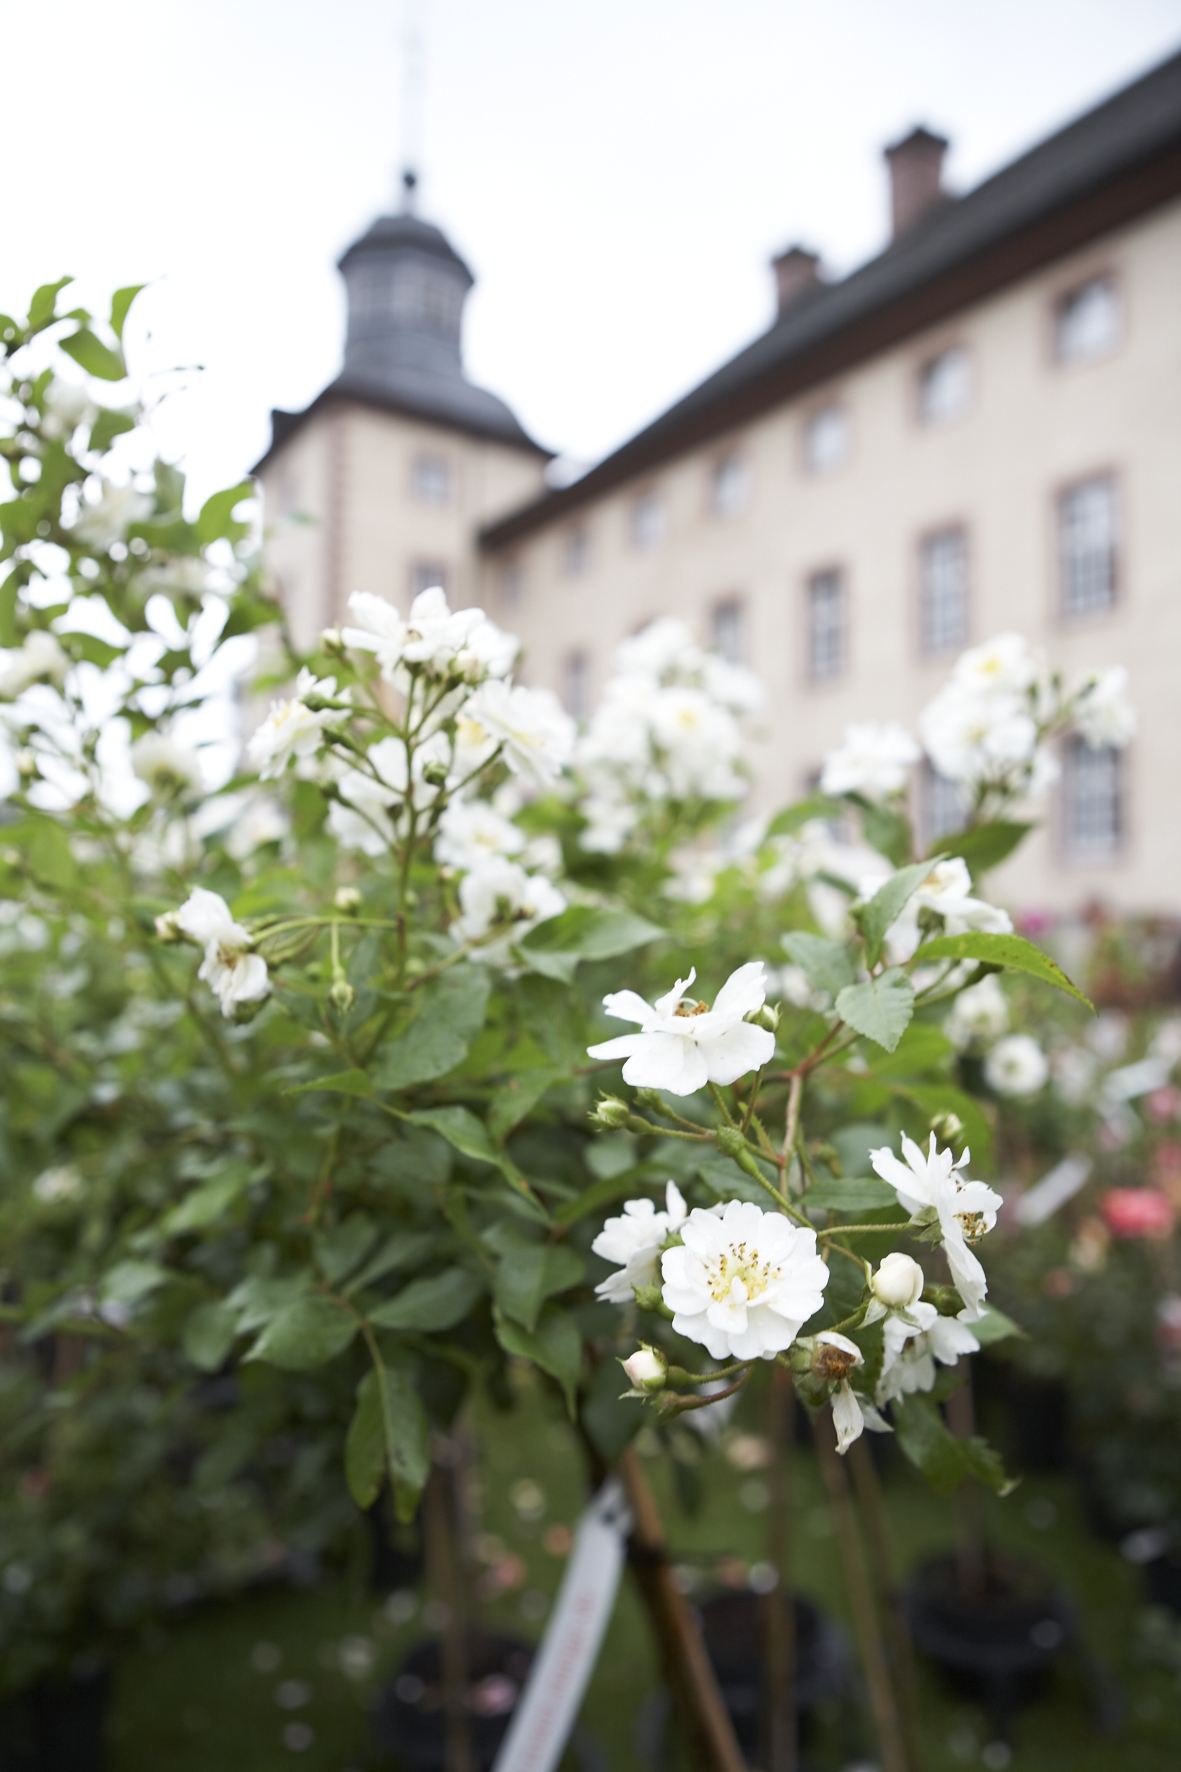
(343, 515)
(1034, 425)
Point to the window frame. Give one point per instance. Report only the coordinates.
(1066, 287)
(1064, 618)
(445, 577)
(736, 455)
(731, 600)
(655, 495)
(1067, 851)
(577, 657)
(425, 459)
(838, 570)
(926, 361)
(816, 410)
(925, 653)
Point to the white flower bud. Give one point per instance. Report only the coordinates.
(168, 929)
(898, 1282)
(347, 899)
(647, 1369)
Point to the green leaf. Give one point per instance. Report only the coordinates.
(449, 1013)
(405, 1249)
(984, 846)
(460, 1127)
(339, 1250)
(602, 1193)
(342, 1082)
(518, 1097)
(439, 1301)
(555, 1345)
(861, 1193)
(880, 1008)
(923, 1047)
(388, 1432)
(306, 1333)
(826, 964)
(994, 1326)
(925, 1440)
(47, 851)
(803, 812)
(556, 946)
(985, 1465)
(529, 1273)
(209, 1202)
(887, 902)
(885, 830)
(216, 521)
(120, 303)
(1011, 951)
(129, 1281)
(109, 424)
(93, 356)
(209, 1333)
(43, 307)
(8, 592)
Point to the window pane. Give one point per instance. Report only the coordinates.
(731, 486)
(826, 440)
(577, 552)
(944, 591)
(425, 574)
(1093, 809)
(826, 626)
(729, 631)
(577, 686)
(945, 386)
(1088, 321)
(942, 805)
(512, 584)
(648, 520)
(1087, 541)
(432, 480)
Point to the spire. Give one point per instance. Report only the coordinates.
(409, 191)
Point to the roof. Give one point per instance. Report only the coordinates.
(405, 232)
(476, 413)
(1116, 162)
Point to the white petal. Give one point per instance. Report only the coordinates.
(667, 1004)
(665, 1061)
(205, 916)
(739, 1050)
(621, 1047)
(846, 1417)
(628, 1006)
(743, 991)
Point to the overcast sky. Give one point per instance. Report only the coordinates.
(616, 172)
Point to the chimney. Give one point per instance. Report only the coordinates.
(796, 272)
(916, 166)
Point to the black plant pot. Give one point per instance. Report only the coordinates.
(410, 1718)
(734, 1631)
(57, 1725)
(1036, 1413)
(998, 1644)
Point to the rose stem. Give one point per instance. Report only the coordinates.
(882, 1702)
(971, 1553)
(877, 1538)
(686, 1665)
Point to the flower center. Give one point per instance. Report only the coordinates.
(973, 1225)
(736, 1264)
(228, 956)
(687, 1006)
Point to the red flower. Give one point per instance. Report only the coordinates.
(1137, 1212)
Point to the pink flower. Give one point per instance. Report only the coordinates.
(1162, 1104)
(1137, 1212)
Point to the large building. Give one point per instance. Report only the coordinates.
(978, 430)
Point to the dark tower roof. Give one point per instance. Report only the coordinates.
(406, 287)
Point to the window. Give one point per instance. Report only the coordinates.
(826, 626)
(943, 591)
(826, 440)
(1092, 800)
(431, 480)
(577, 685)
(577, 552)
(729, 630)
(730, 488)
(512, 584)
(945, 386)
(648, 521)
(1086, 546)
(1087, 322)
(425, 575)
(942, 806)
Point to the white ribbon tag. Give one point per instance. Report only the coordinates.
(565, 1661)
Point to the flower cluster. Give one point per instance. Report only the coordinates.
(666, 729)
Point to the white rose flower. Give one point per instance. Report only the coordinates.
(948, 890)
(1103, 713)
(500, 890)
(664, 645)
(170, 770)
(494, 650)
(1006, 664)
(187, 573)
(59, 1183)
(979, 1013)
(633, 1241)
(471, 832)
(743, 1283)
(536, 733)
(230, 970)
(898, 1282)
(101, 524)
(911, 1350)
(432, 638)
(851, 1413)
(66, 407)
(965, 1209)
(291, 729)
(683, 1045)
(39, 660)
(873, 760)
(977, 738)
(733, 685)
(1016, 1066)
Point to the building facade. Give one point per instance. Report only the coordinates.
(978, 430)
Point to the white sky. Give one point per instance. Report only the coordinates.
(616, 172)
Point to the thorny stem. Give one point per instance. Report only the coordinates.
(681, 1405)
